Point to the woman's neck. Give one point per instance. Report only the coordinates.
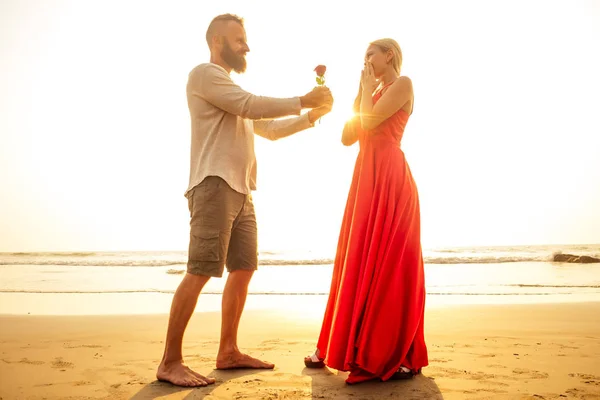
(388, 77)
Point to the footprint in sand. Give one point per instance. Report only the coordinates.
(269, 344)
(88, 346)
(581, 394)
(253, 380)
(59, 363)
(200, 358)
(530, 373)
(486, 390)
(130, 374)
(564, 346)
(26, 361)
(460, 373)
(584, 376)
(488, 382)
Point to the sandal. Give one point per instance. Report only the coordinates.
(404, 373)
(314, 362)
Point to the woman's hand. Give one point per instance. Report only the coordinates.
(368, 81)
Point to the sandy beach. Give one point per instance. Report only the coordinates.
(546, 351)
(372, 152)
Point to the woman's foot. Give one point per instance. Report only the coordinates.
(403, 373)
(314, 361)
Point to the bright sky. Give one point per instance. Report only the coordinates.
(504, 142)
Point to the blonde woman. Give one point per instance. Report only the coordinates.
(373, 324)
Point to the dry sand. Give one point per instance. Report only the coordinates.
(547, 351)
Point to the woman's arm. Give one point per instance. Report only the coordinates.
(356, 106)
(394, 98)
(350, 132)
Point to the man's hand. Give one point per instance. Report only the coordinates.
(317, 97)
(318, 112)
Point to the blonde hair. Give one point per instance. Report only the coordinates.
(388, 44)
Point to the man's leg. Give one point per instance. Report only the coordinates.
(242, 261)
(234, 299)
(171, 368)
(213, 209)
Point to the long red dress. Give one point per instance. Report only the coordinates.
(373, 322)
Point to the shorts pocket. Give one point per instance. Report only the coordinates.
(212, 189)
(206, 246)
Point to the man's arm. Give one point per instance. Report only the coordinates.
(213, 84)
(280, 128)
(277, 129)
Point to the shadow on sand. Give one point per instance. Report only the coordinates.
(157, 389)
(327, 384)
(324, 384)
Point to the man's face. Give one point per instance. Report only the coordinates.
(235, 47)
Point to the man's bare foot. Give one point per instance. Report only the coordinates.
(180, 375)
(238, 360)
(206, 379)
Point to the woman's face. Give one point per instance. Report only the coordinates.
(377, 58)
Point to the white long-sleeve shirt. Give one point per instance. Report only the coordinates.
(224, 119)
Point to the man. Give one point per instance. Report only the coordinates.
(222, 175)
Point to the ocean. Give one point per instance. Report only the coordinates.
(122, 282)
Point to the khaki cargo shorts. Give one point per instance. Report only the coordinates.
(222, 229)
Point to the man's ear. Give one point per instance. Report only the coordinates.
(217, 40)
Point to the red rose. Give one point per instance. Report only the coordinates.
(320, 70)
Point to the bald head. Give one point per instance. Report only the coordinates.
(226, 38)
(218, 26)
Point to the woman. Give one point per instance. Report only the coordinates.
(373, 324)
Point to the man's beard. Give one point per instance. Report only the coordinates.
(235, 61)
